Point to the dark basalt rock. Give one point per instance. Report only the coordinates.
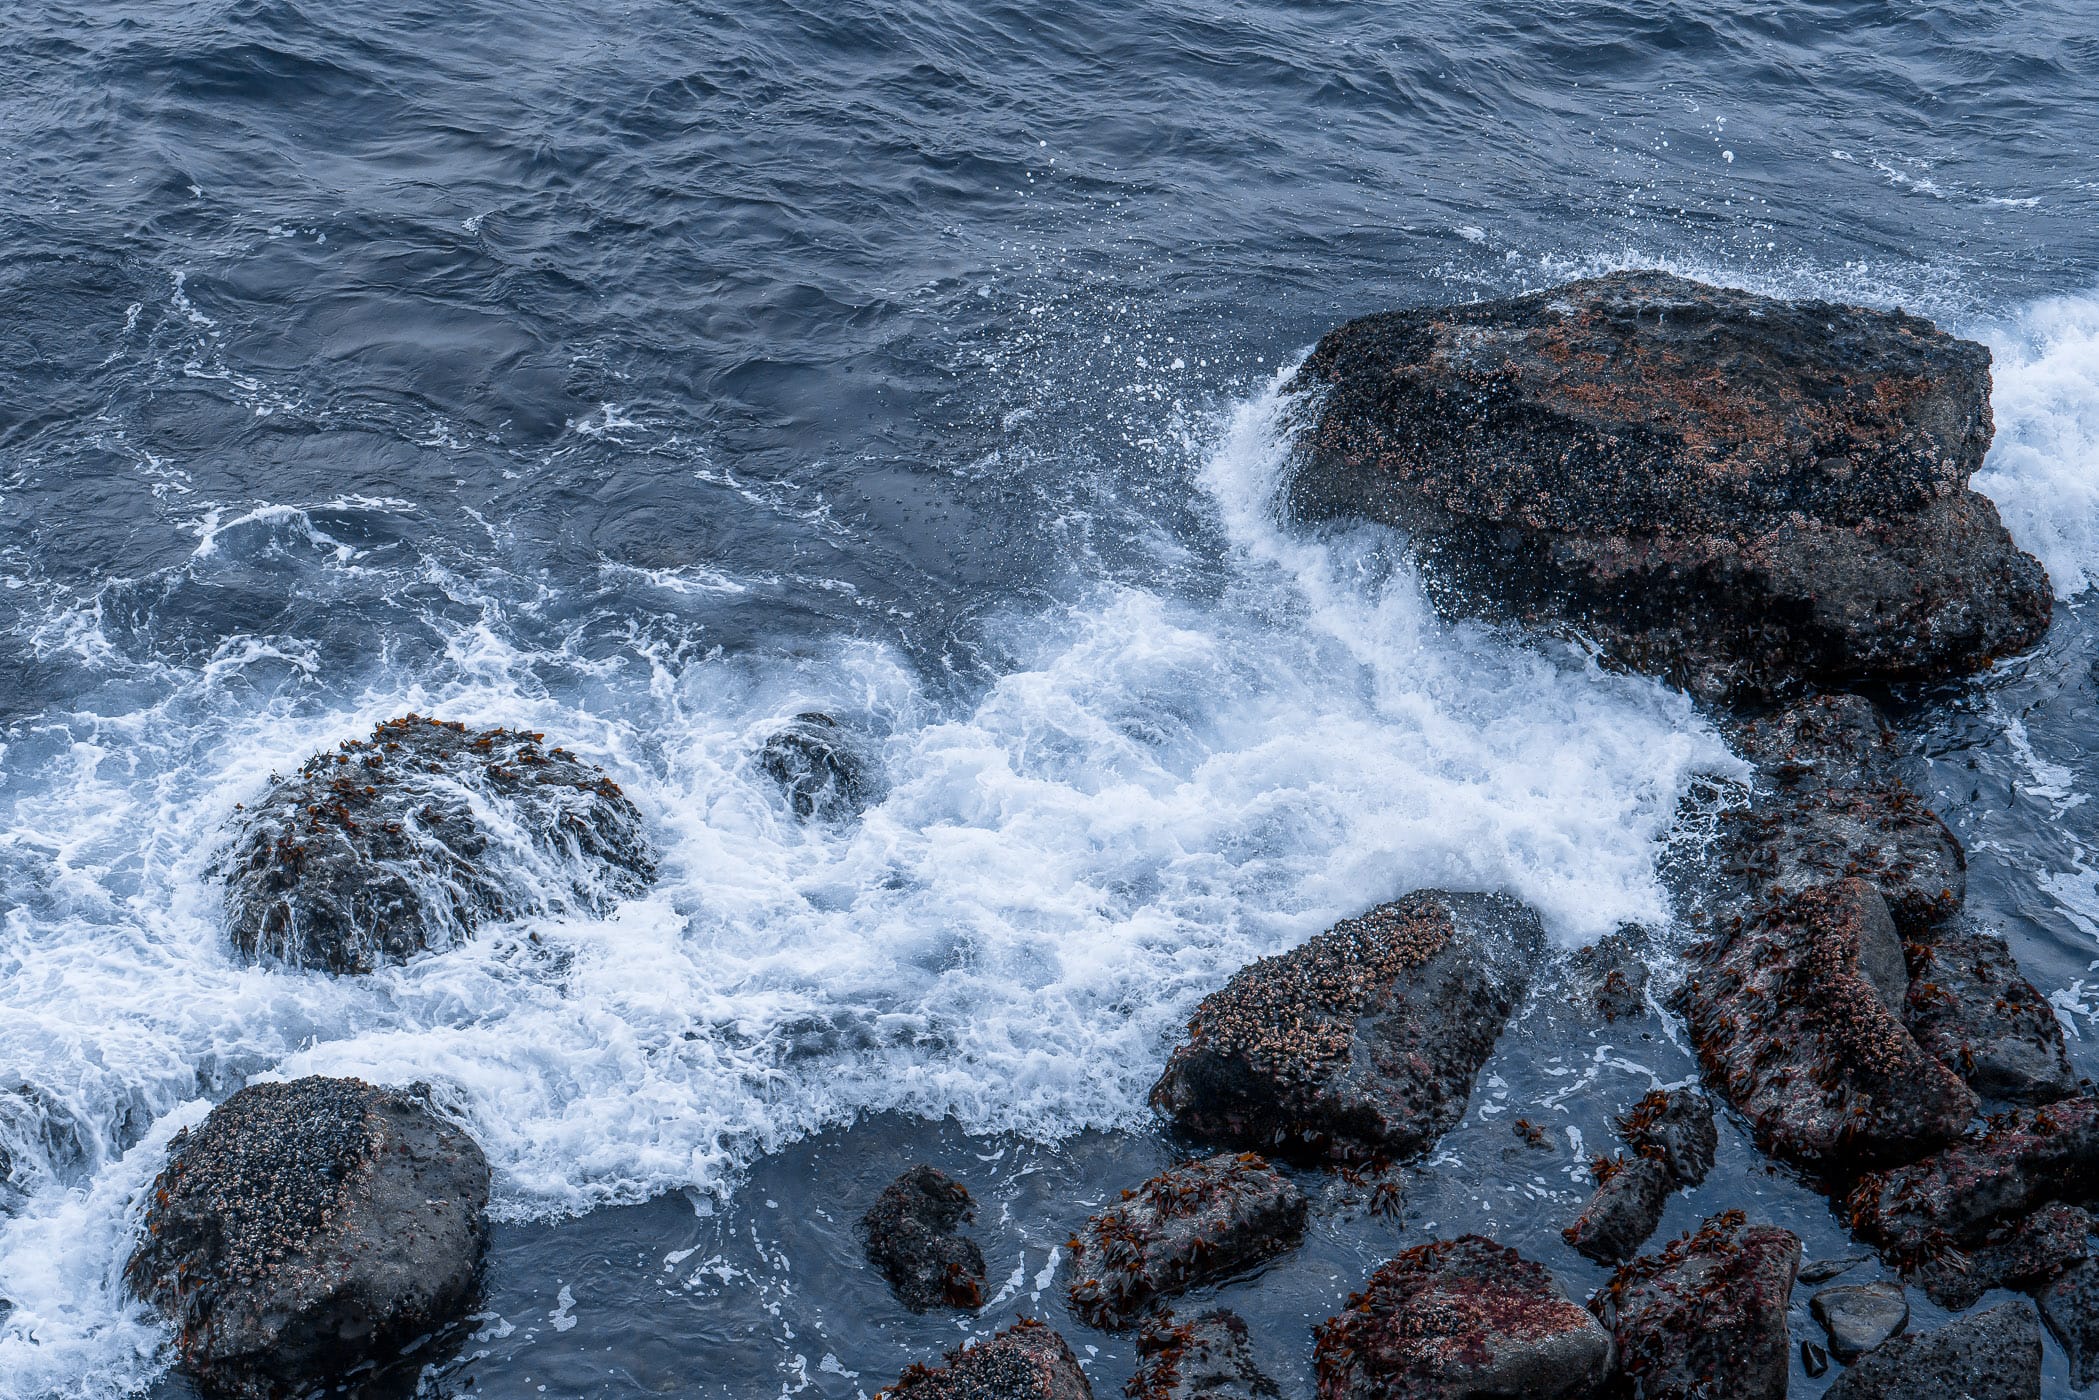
(306, 1229)
(1794, 1018)
(1736, 492)
(816, 767)
(912, 1237)
(1675, 1128)
(1673, 1141)
(2024, 1253)
(1363, 1041)
(1204, 1358)
(2070, 1307)
(1823, 1270)
(1607, 980)
(372, 854)
(1969, 1006)
(1190, 1223)
(1993, 1355)
(1859, 1317)
(1461, 1318)
(1027, 1361)
(1706, 1318)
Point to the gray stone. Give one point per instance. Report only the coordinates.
(1860, 1316)
(1993, 1355)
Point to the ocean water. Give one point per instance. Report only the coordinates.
(647, 376)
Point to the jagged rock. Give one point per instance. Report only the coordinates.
(1190, 1223)
(1793, 1016)
(912, 1237)
(1993, 1355)
(1826, 741)
(1860, 1316)
(306, 1229)
(376, 852)
(1364, 1040)
(1673, 1141)
(1674, 1127)
(1969, 1006)
(1735, 492)
(1706, 1318)
(1027, 1361)
(1607, 980)
(1461, 1318)
(2024, 1253)
(1204, 1358)
(2070, 1307)
(816, 767)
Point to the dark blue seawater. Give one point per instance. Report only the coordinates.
(646, 374)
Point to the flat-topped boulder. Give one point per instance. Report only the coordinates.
(1737, 492)
(1361, 1042)
(306, 1230)
(412, 839)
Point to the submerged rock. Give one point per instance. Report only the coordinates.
(1673, 1141)
(1706, 1318)
(412, 839)
(1733, 491)
(1027, 1361)
(1860, 1316)
(1969, 1006)
(816, 767)
(1993, 1355)
(1207, 1357)
(1190, 1223)
(307, 1229)
(912, 1237)
(1364, 1040)
(1462, 1318)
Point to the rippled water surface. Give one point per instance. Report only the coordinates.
(648, 374)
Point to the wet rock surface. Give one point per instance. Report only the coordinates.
(306, 1229)
(817, 767)
(1735, 492)
(1705, 1319)
(1206, 1357)
(2070, 1307)
(914, 1238)
(1027, 1361)
(1194, 1222)
(1970, 1007)
(1991, 1355)
(1673, 1140)
(1362, 1042)
(375, 852)
(2024, 1252)
(1460, 1318)
(1858, 1317)
(1607, 979)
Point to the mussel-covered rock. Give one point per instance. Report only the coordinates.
(304, 1230)
(817, 767)
(1736, 492)
(913, 1234)
(1706, 1318)
(1190, 1223)
(1456, 1319)
(1206, 1357)
(413, 838)
(1027, 1361)
(1992, 1355)
(1364, 1040)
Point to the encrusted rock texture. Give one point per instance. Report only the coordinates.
(1027, 1361)
(817, 767)
(1361, 1043)
(1969, 1005)
(1736, 492)
(1460, 1318)
(913, 1234)
(1673, 1140)
(375, 852)
(304, 1229)
(1206, 1357)
(1990, 1355)
(1705, 1319)
(1191, 1223)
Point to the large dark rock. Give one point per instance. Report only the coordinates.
(2070, 1307)
(817, 767)
(2023, 1252)
(1673, 1141)
(375, 852)
(913, 1237)
(1736, 492)
(1027, 1361)
(1795, 1016)
(1993, 1355)
(1457, 1319)
(1207, 1357)
(1190, 1223)
(1706, 1318)
(1969, 1006)
(306, 1229)
(1859, 1317)
(1364, 1040)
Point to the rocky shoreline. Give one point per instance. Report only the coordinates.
(1764, 502)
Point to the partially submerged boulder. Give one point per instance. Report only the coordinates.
(1607, 979)
(2070, 1307)
(817, 767)
(1706, 1318)
(1027, 1361)
(1860, 1317)
(1736, 492)
(1455, 1319)
(1971, 1008)
(1191, 1223)
(1206, 1357)
(306, 1229)
(1992, 1355)
(914, 1238)
(1361, 1042)
(412, 839)
(1673, 1141)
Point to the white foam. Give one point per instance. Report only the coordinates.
(2043, 469)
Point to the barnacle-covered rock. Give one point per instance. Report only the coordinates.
(1706, 1318)
(1739, 493)
(1027, 1361)
(1457, 1319)
(1969, 1006)
(306, 1229)
(1992, 1355)
(816, 766)
(1364, 1040)
(913, 1238)
(1190, 1223)
(1206, 1357)
(412, 839)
